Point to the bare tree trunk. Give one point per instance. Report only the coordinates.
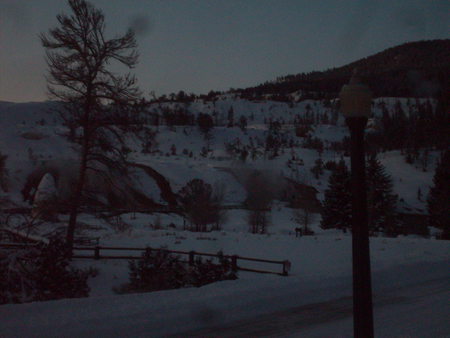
(76, 199)
(306, 220)
(77, 55)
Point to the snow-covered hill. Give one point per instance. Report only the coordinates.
(31, 138)
(321, 264)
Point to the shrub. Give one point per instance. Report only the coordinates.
(330, 165)
(206, 272)
(40, 273)
(33, 135)
(160, 270)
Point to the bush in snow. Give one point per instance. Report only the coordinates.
(160, 270)
(330, 165)
(204, 272)
(40, 273)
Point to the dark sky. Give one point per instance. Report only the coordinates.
(199, 45)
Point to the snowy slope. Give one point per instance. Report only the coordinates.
(31, 138)
(176, 311)
(321, 264)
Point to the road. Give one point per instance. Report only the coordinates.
(419, 310)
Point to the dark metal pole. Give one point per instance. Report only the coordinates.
(362, 288)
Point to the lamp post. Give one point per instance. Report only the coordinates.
(356, 101)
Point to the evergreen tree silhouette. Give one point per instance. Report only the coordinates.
(439, 196)
(337, 205)
(381, 201)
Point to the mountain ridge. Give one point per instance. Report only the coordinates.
(412, 69)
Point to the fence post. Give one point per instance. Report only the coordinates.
(97, 252)
(191, 258)
(234, 263)
(286, 267)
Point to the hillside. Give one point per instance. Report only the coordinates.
(414, 69)
(282, 140)
(279, 142)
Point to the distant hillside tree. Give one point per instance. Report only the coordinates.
(439, 196)
(302, 216)
(99, 103)
(243, 123)
(259, 200)
(317, 169)
(149, 143)
(337, 205)
(205, 123)
(381, 201)
(230, 123)
(199, 204)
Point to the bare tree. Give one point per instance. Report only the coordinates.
(259, 198)
(99, 104)
(302, 215)
(201, 204)
(219, 191)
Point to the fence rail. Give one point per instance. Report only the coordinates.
(285, 265)
(97, 254)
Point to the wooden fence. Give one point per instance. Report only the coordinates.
(97, 254)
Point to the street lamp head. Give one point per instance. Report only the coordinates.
(356, 98)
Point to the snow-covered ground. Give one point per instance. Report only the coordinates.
(321, 264)
(321, 273)
(31, 138)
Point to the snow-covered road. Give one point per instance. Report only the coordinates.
(410, 300)
(420, 310)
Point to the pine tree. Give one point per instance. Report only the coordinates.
(381, 201)
(243, 123)
(205, 123)
(101, 104)
(439, 196)
(337, 205)
(259, 200)
(317, 169)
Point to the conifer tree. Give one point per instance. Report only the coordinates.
(337, 205)
(381, 201)
(243, 123)
(100, 103)
(439, 196)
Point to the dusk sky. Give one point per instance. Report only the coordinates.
(203, 45)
